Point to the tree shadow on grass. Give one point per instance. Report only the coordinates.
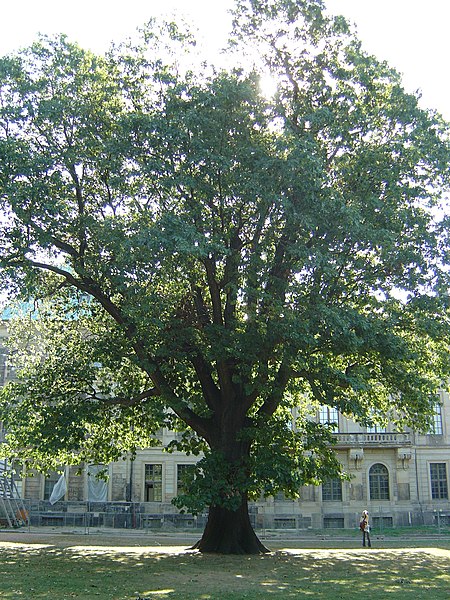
(126, 573)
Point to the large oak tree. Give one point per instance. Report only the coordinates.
(216, 261)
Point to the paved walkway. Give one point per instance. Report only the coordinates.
(63, 536)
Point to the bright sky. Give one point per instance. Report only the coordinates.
(412, 35)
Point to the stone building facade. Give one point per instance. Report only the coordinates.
(402, 478)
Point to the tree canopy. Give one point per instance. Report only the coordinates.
(213, 260)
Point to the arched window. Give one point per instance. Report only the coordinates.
(378, 482)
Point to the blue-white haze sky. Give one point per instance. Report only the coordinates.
(412, 35)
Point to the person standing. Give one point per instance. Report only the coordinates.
(365, 528)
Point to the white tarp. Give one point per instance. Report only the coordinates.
(97, 488)
(59, 490)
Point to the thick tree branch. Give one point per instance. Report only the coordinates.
(210, 390)
(148, 363)
(317, 392)
(203, 426)
(60, 244)
(214, 290)
(278, 388)
(252, 270)
(81, 206)
(223, 368)
(201, 309)
(230, 278)
(280, 271)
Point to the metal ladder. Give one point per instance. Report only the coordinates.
(12, 507)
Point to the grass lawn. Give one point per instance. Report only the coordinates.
(64, 567)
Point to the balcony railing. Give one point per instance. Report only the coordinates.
(372, 439)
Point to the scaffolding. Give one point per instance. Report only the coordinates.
(12, 509)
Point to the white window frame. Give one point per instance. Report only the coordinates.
(389, 487)
(329, 415)
(437, 424)
(144, 487)
(440, 463)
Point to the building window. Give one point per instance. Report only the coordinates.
(153, 483)
(382, 522)
(329, 416)
(333, 522)
(97, 488)
(49, 483)
(3, 367)
(184, 473)
(436, 425)
(379, 482)
(281, 497)
(284, 522)
(7, 371)
(332, 490)
(376, 429)
(439, 485)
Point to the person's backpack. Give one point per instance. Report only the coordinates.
(362, 525)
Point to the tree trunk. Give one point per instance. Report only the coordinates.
(230, 532)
